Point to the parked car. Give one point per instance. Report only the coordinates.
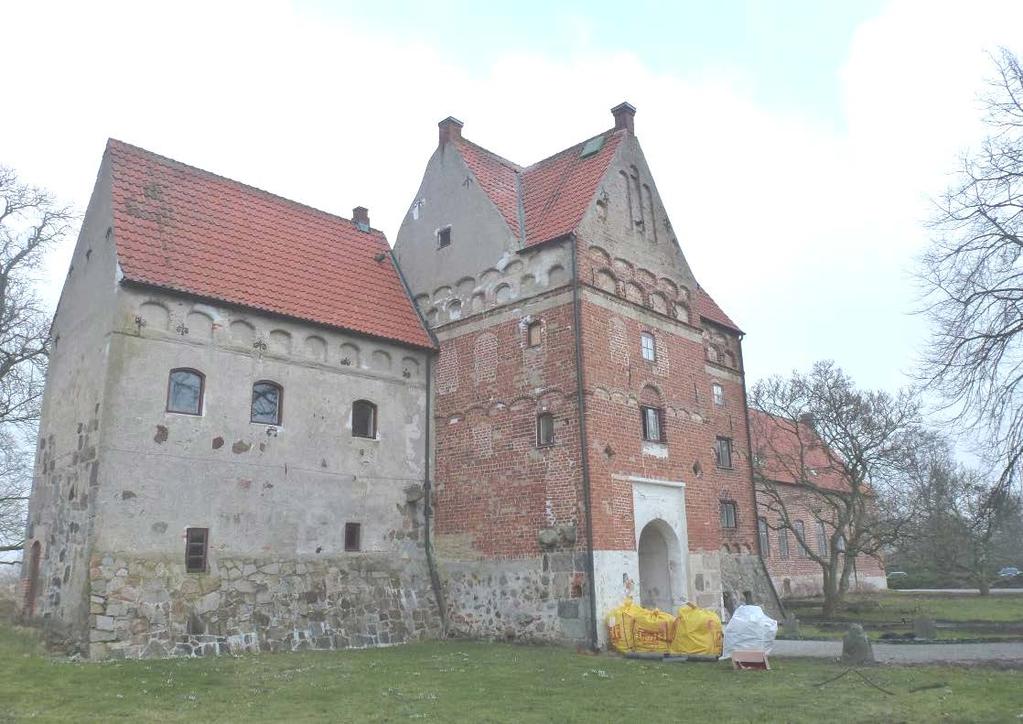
(1008, 572)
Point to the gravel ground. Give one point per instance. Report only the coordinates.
(908, 653)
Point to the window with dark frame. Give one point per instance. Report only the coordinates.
(353, 537)
(765, 536)
(648, 346)
(364, 419)
(267, 398)
(653, 423)
(185, 388)
(728, 516)
(800, 530)
(783, 543)
(444, 237)
(196, 545)
(544, 429)
(533, 334)
(719, 394)
(723, 452)
(822, 540)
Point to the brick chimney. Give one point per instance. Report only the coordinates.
(450, 129)
(625, 117)
(360, 216)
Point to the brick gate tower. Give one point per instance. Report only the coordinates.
(591, 435)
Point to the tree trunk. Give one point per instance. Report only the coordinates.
(984, 587)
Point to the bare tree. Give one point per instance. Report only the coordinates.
(826, 449)
(973, 277)
(31, 222)
(967, 526)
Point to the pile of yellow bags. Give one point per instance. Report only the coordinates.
(694, 631)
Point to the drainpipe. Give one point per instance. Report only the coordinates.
(431, 563)
(581, 405)
(753, 484)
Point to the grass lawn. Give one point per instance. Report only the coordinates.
(811, 632)
(480, 682)
(895, 606)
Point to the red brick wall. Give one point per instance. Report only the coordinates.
(797, 567)
(492, 481)
(616, 377)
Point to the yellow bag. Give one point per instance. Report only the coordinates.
(697, 632)
(619, 626)
(652, 631)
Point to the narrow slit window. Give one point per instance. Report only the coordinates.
(353, 537)
(266, 403)
(544, 429)
(533, 334)
(800, 530)
(364, 419)
(765, 537)
(196, 545)
(719, 394)
(185, 389)
(444, 237)
(648, 346)
(653, 423)
(822, 540)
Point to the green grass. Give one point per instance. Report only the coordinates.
(895, 606)
(479, 682)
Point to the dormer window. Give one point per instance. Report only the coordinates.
(444, 237)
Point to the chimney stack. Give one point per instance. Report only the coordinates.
(360, 217)
(625, 117)
(450, 129)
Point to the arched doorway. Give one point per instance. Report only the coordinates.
(658, 549)
(32, 584)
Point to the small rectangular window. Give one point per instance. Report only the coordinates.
(719, 394)
(728, 514)
(364, 419)
(783, 543)
(353, 536)
(723, 452)
(533, 336)
(544, 429)
(648, 346)
(444, 237)
(765, 538)
(653, 423)
(196, 540)
(822, 540)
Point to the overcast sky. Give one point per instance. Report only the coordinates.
(796, 144)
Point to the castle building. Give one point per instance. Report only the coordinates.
(262, 430)
(796, 515)
(232, 451)
(591, 436)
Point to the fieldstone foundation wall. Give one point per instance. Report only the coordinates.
(743, 576)
(535, 599)
(151, 608)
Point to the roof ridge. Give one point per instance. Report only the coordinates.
(240, 184)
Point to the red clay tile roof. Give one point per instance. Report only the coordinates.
(555, 192)
(189, 230)
(558, 190)
(707, 308)
(776, 444)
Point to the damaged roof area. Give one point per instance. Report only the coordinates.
(185, 229)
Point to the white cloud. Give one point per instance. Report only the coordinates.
(803, 231)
